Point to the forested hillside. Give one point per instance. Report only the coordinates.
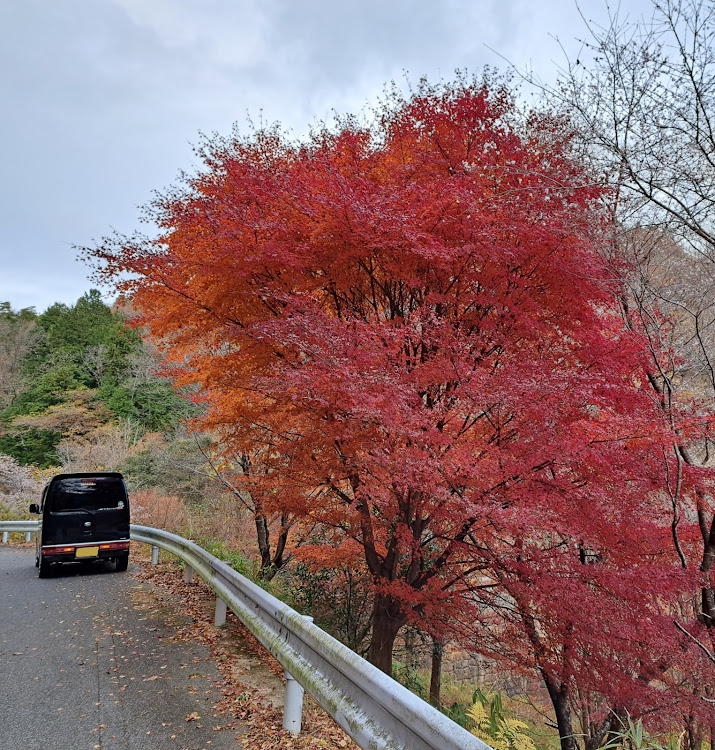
(79, 386)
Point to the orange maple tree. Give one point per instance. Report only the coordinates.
(407, 327)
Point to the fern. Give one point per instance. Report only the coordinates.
(491, 726)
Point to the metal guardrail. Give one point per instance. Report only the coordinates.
(26, 527)
(377, 712)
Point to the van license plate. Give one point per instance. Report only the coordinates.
(87, 552)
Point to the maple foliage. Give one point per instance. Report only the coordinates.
(406, 323)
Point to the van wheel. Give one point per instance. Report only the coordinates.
(44, 571)
(122, 562)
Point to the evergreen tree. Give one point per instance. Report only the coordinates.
(81, 353)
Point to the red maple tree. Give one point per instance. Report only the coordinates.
(407, 322)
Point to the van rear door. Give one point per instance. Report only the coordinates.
(81, 509)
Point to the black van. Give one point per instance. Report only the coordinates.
(85, 517)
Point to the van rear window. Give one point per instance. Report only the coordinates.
(87, 493)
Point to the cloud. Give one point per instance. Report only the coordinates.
(102, 98)
(225, 33)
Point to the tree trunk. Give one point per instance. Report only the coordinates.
(387, 619)
(558, 692)
(708, 593)
(271, 564)
(708, 599)
(281, 543)
(435, 683)
(695, 733)
(598, 735)
(264, 544)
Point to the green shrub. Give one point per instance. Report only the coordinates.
(232, 557)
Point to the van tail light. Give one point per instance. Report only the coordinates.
(115, 545)
(57, 550)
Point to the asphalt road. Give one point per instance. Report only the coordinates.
(88, 661)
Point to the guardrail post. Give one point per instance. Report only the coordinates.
(154, 555)
(4, 537)
(220, 613)
(293, 706)
(28, 536)
(188, 574)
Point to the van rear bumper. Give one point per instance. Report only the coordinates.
(69, 552)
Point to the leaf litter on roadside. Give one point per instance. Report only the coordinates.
(257, 721)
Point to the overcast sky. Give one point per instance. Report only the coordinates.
(100, 100)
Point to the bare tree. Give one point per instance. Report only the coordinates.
(18, 334)
(103, 448)
(674, 291)
(641, 100)
(642, 95)
(645, 111)
(94, 362)
(19, 486)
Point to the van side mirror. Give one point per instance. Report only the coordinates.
(34, 508)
